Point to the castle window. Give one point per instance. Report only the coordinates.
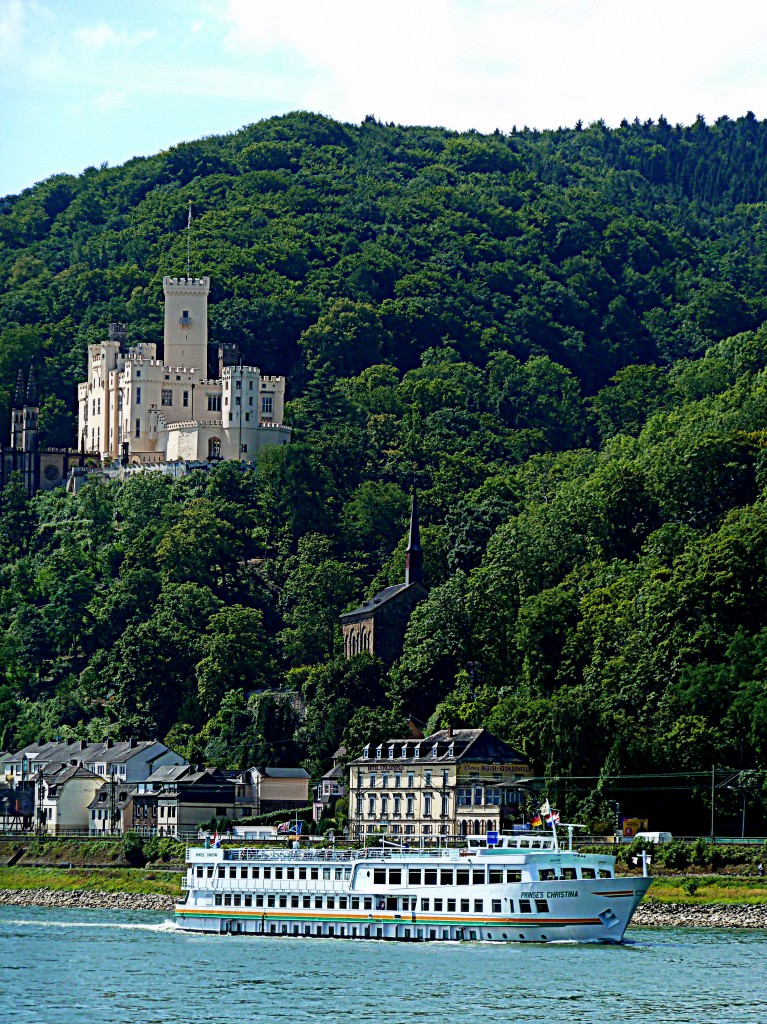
(138, 373)
(250, 401)
(138, 396)
(138, 428)
(166, 397)
(238, 400)
(214, 447)
(266, 404)
(238, 385)
(247, 417)
(250, 385)
(186, 399)
(214, 403)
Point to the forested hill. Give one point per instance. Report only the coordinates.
(558, 333)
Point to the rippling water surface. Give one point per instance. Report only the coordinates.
(78, 967)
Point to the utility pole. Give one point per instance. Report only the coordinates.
(713, 786)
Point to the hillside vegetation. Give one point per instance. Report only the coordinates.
(558, 335)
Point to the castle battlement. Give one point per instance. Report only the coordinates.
(186, 282)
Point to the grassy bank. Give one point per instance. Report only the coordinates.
(130, 880)
(698, 890)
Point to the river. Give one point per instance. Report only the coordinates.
(83, 967)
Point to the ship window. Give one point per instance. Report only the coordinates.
(256, 872)
(379, 876)
(283, 901)
(445, 877)
(199, 871)
(318, 903)
(605, 874)
(478, 877)
(232, 872)
(513, 875)
(496, 875)
(368, 903)
(238, 900)
(355, 903)
(524, 907)
(315, 873)
(542, 906)
(278, 873)
(302, 873)
(306, 902)
(326, 874)
(464, 906)
(347, 873)
(568, 873)
(227, 900)
(342, 903)
(395, 876)
(294, 901)
(248, 901)
(243, 872)
(221, 872)
(430, 876)
(270, 900)
(588, 873)
(546, 874)
(218, 900)
(479, 906)
(451, 906)
(338, 873)
(438, 906)
(414, 876)
(462, 877)
(496, 906)
(209, 871)
(290, 872)
(259, 901)
(331, 903)
(267, 872)
(424, 905)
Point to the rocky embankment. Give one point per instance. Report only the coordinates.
(86, 899)
(649, 914)
(706, 915)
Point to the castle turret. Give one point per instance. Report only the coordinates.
(186, 322)
(414, 552)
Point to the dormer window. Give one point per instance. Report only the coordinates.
(404, 750)
(379, 752)
(391, 753)
(434, 750)
(417, 751)
(366, 751)
(451, 750)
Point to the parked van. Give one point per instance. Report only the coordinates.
(654, 837)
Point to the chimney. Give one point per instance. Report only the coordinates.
(110, 743)
(133, 743)
(83, 744)
(74, 762)
(450, 732)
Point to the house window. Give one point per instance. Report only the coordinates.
(267, 404)
(427, 806)
(166, 396)
(427, 777)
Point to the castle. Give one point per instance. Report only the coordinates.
(139, 409)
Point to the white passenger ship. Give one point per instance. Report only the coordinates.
(525, 889)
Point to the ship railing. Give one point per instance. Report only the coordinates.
(335, 856)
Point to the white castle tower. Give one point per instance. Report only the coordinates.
(186, 322)
(154, 410)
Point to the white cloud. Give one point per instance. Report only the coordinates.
(97, 37)
(488, 63)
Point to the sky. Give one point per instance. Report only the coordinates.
(84, 82)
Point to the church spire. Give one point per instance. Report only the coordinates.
(414, 552)
(18, 401)
(31, 388)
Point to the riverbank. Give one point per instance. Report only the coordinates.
(650, 914)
